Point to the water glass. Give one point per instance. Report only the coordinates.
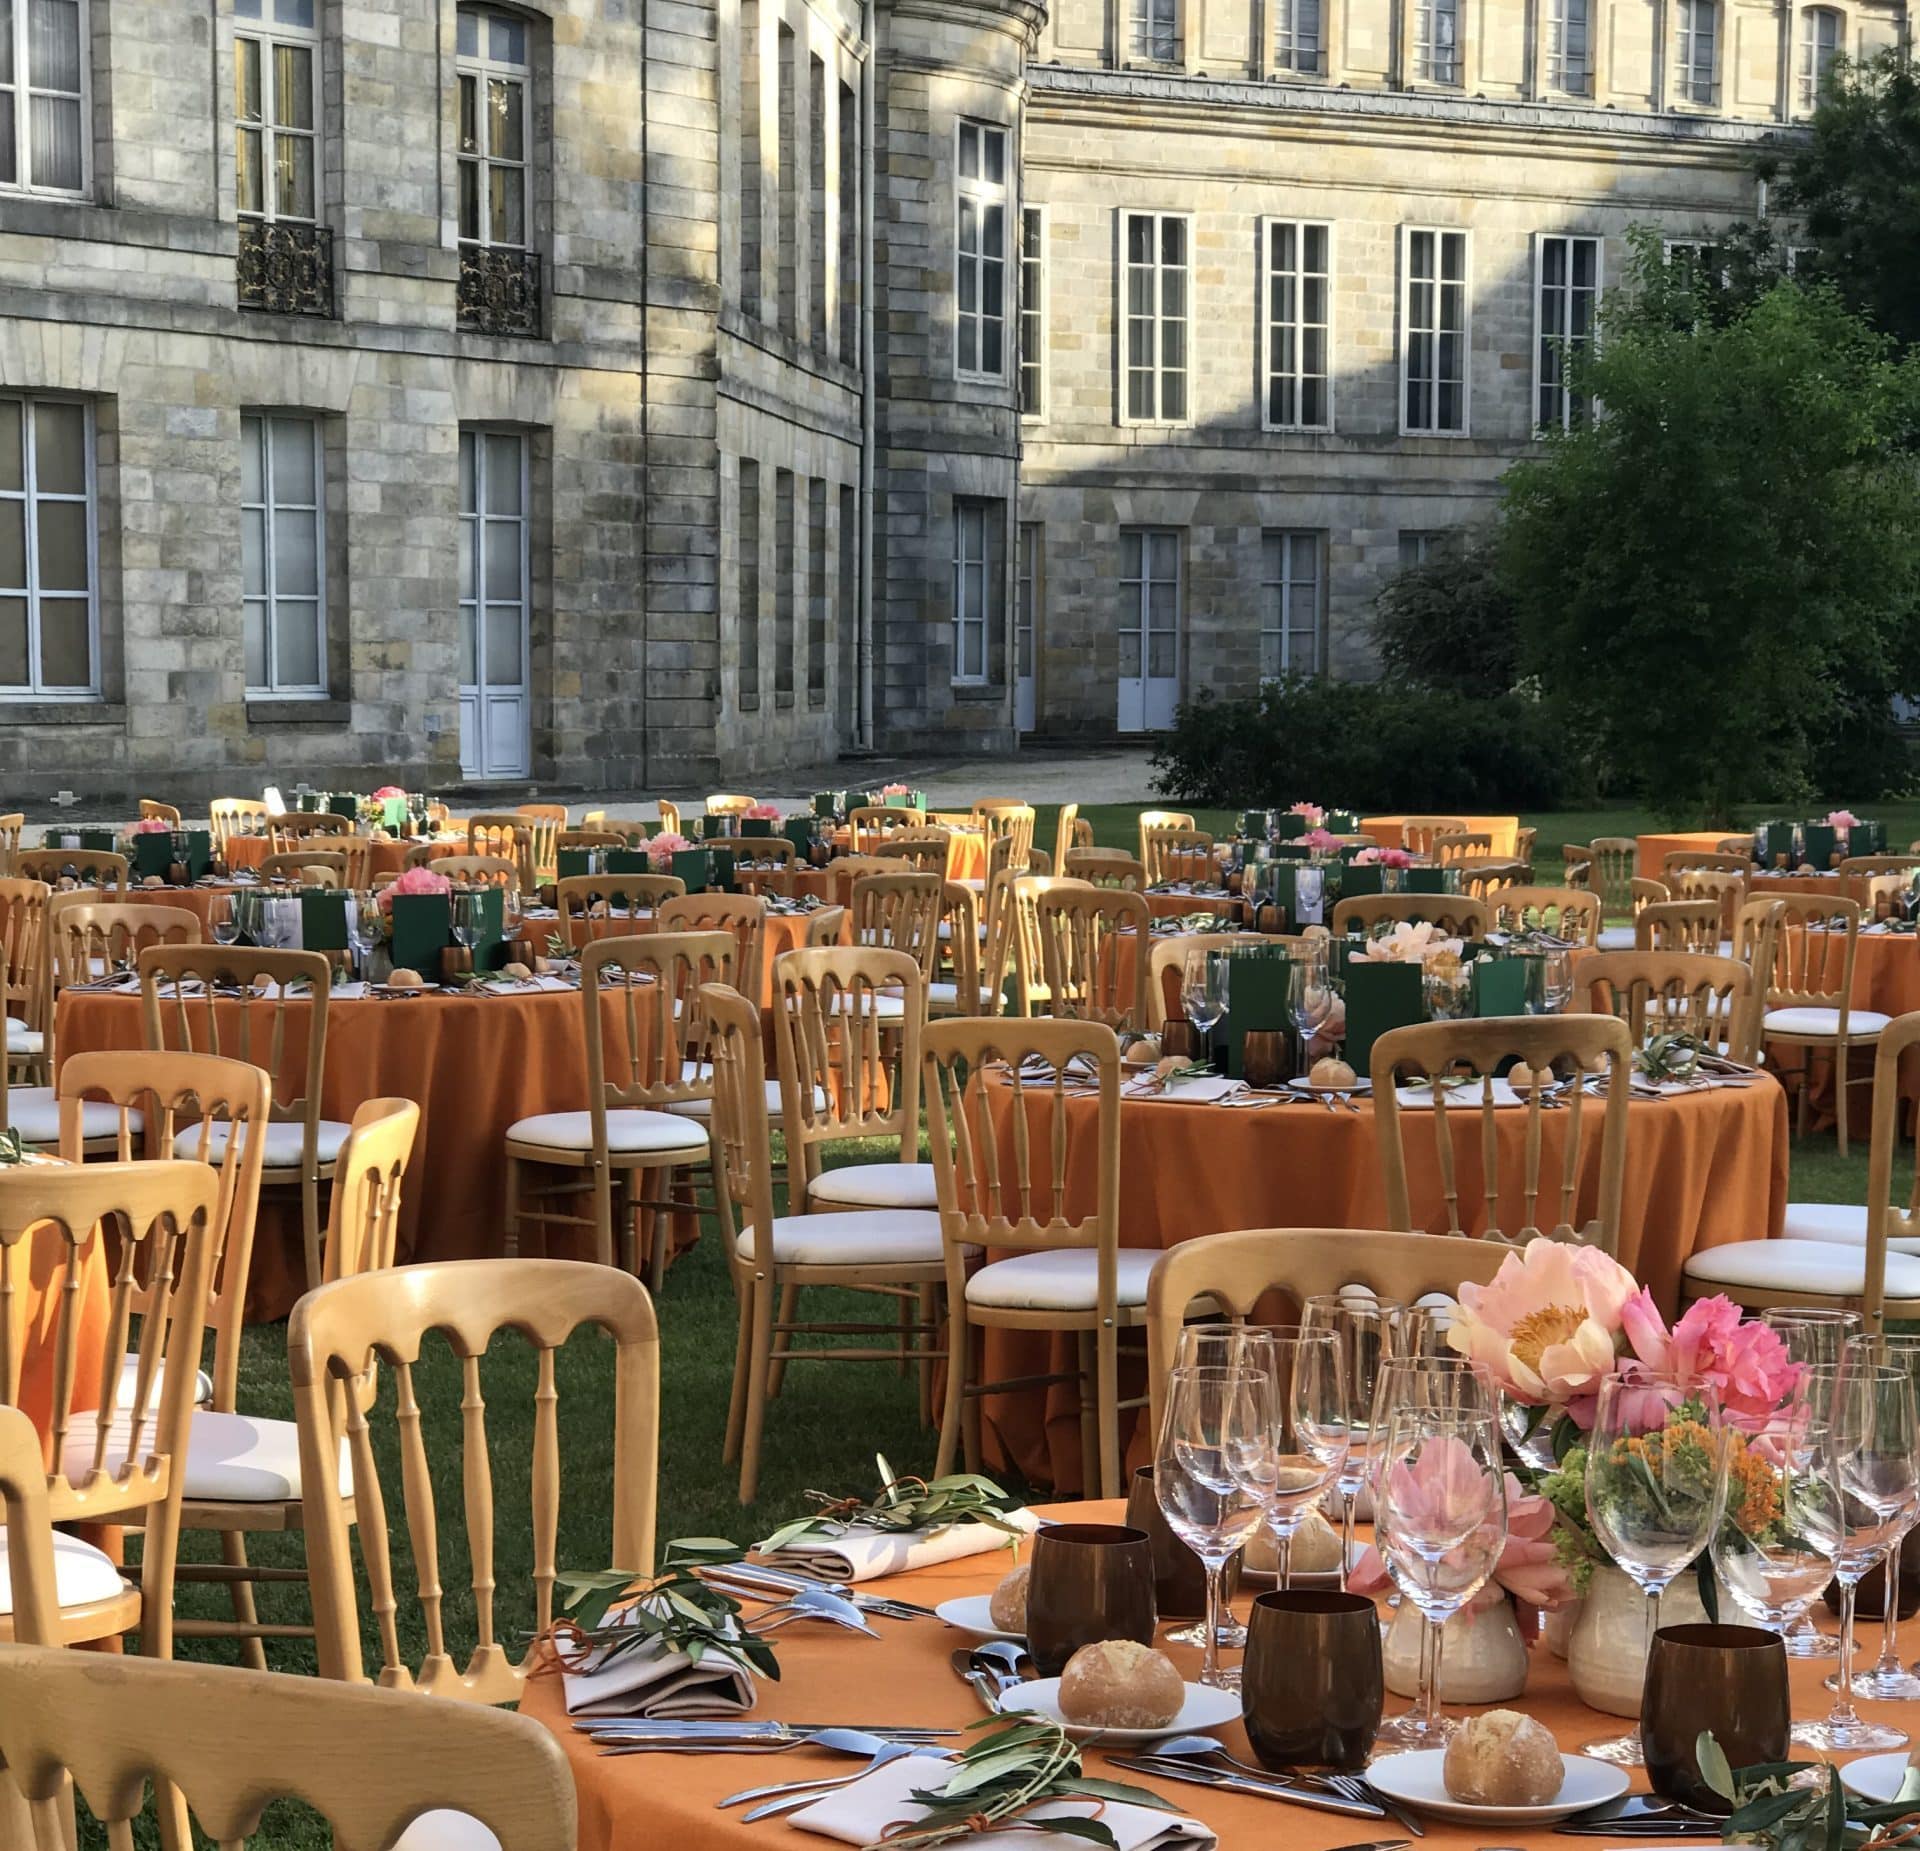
(1203, 990)
(1310, 990)
(1889, 1679)
(1367, 1331)
(1309, 1433)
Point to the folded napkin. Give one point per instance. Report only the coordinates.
(654, 1681)
(1204, 1089)
(1467, 1098)
(1079, 1067)
(508, 986)
(866, 1555)
(860, 1813)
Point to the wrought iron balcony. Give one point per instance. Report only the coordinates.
(285, 269)
(499, 291)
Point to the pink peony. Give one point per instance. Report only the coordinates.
(414, 880)
(1547, 1325)
(1529, 1569)
(151, 826)
(1383, 858)
(662, 849)
(1319, 840)
(1841, 819)
(1412, 941)
(387, 792)
(894, 790)
(1744, 1361)
(764, 812)
(1313, 813)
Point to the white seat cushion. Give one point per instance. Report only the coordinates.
(82, 1574)
(696, 1070)
(239, 1459)
(446, 1831)
(1843, 1223)
(1067, 1280)
(1800, 1266)
(876, 1185)
(34, 1112)
(858, 1237)
(879, 1004)
(281, 1146)
(23, 1040)
(1862, 1024)
(130, 1381)
(1616, 938)
(943, 995)
(630, 1131)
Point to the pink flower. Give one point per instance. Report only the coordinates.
(413, 880)
(151, 826)
(1841, 819)
(662, 849)
(1311, 811)
(1529, 1568)
(387, 792)
(1412, 941)
(763, 812)
(1383, 858)
(1744, 1361)
(1319, 840)
(896, 790)
(1546, 1326)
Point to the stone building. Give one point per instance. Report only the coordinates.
(424, 389)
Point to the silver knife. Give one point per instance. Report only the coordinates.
(1243, 1783)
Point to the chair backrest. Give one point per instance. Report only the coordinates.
(1888, 1219)
(1812, 966)
(1679, 925)
(742, 1139)
(363, 1214)
(1678, 861)
(765, 852)
(899, 912)
(744, 915)
(1461, 845)
(1093, 953)
(291, 828)
(1419, 834)
(726, 804)
(1615, 858)
(510, 838)
(1019, 920)
(650, 981)
(869, 824)
(1172, 853)
(100, 868)
(313, 867)
(25, 967)
(1728, 891)
(1864, 866)
(1168, 958)
(1159, 819)
(1644, 892)
(825, 926)
(91, 938)
(388, 1315)
(959, 951)
(1567, 912)
(370, 1761)
(236, 816)
(1482, 876)
(610, 903)
(1453, 913)
(669, 818)
(1437, 1052)
(29, 1529)
(1066, 835)
(545, 821)
(1005, 817)
(1576, 862)
(201, 1106)
(1105, 867)
(1523, 840)
(588, 838)
(480, 870)
(844, 870)
(11, 825)
(924, 850)
(1703, 995)
(1229, 1274)
(152, 809)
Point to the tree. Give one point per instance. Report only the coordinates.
(1448, 622)
(1713, 568)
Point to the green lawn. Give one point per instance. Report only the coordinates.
(822, 1433)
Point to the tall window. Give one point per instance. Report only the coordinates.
(752, 209)
(1417, 544)
(1819, 48)
(849, 159)
(1026, 605)
(493, 74)
(1156, 31)
(1033, 312)
(819, 307)
(1299, 304)
(1434, 344)
(783, 541)
(1567, 285)
(749, 611)
(1290, 604)
(976, 587)
(1156, 317)
(282, 548)
(43, 75)
(1436, 41)
(276, 109)
(48, 631)
(816, 592)
(1569, 47)
(1296, 37)
(495, 570)
(849, 605)
(1149, 631)
(981, 251)
(787, 197)
(1696, 50)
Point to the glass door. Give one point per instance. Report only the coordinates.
(1149, 633)
(494, 708)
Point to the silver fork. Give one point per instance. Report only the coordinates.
(786, 1793)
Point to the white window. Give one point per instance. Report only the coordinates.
(493, 71)
(1435, 332)
(282, 550)
(1156, 31)
(1436, 41)
(495, 567)
(1696, 50)
(1296, 37)
(1149, 632)
(976, 587)
(1567, 286)
(1417, 544)
(1290, 599)
(276, 109)
(1026, 612)
(1033, 312)
(1819, 48)
(1569, 47)
(980, 267)
(48, 621)
(43, 89)
(1299, 305)
(1156, 317)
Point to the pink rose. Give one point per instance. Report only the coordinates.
(1383, 858)
(388, 791)
(1841, 819)
(662, 849)
(151, 826)
(763, 812)
(413, 880)
(1313, 813)
(1529, 1567)
(1744, 1361)
(1318, 840)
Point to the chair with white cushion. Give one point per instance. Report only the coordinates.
(743, 916)
(28, 996)
(1640, 894)
(957, 987)
(1167, 959)
(610, 905)
(895, 1251)
(1450, 912)
(89, 938)
(1567, 912)
(1693, 927)
(100, 872)
(1150, 821)
(639, 1083)
(1809, 1000)
(278, 1020)
(1707, 997)
(1094, 943)
(898, 912)
(1001, 1150)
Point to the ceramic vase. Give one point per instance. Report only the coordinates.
(1607, 1655)
(1483, 1658)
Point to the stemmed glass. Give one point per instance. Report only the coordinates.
(1210, 1476)
(466, 919)
(1556, 980)
(1440, 1519)
(1310, 992)
(1309, 1433)
(1203, 991)
(225, 920)
(1889, 1678)
(1368, 1333)
(1656, 1482)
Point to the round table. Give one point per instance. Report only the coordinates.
(1654, 850)
(636, 1802)
(388, 857)
(1505, 830)
(1701, 1170)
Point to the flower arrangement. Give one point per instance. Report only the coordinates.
(387, 792)
(763, 812)
(1410, 942)
(1320, 841)
(894, 790)
(662, 849)
(1312, 813)
(1840, 819)
(151, 826)
(414, 880)
(1383, 858)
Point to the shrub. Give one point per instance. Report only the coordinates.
(1448, 622)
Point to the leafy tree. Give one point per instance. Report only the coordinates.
(1715, 567)
(1448, 622)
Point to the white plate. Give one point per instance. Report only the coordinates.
(972, 1613)
(1361, 1084)
(1415, 1779)
(1205, 1708)
(1876, 1778)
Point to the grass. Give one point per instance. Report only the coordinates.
(822, 1433)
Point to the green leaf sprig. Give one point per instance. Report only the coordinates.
(903, 1504)
(1668, 1057)
(675, 1607)
(1770, 1810)
(12, 1148)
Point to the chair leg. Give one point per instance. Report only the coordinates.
(1803, 1106)
(906, 1325)
(789, 1311)
(603, 1216)
(512, 1240)
(233, 1551)
(959, 1373)
(742, 1368)
(1089, 1401)
(170, 1808)
(762, 1344)
(929, 1342)
(310, 1224)
(1840, 1065)
(656, 1237)
(1107, 1394)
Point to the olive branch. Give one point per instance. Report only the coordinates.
(907, 1503)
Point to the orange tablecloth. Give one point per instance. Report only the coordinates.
(1654, 850)
(1820, 886)
(639, 1802)
(388, 857)
(966, 852)
(1505, 830)
(35, 1315)
(474, 1064)
(1701, 1170)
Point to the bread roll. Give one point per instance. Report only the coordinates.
(1502, 1759)
(405, 980)
(1118, 1684)
(518, 973)
(1007, 1607)
(1316, 1548)
(1331, 1070)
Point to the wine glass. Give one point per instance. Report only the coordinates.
(1210, 1478)
(1310, 1430)
(1368, 1332)
(1655, 1483)
(224, 917)
(1310, 991)
(1440, 1521)
(1556, 980)
(1203, 990)
(466, 919)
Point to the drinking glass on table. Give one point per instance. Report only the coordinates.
(466, 919)
(1888, 1678)
(1367, 1331)
(1203, 990)
(1310, 991)
(223, 918)
(1556, 979)
(1310, 1430)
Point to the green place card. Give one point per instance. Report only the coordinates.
(1380, 997)
(422, 930)
(1776, 843)
(1252, 823)
(1430, 880)
(759, 827)
(1499, 986)
(1822, 844)
(1300, 893)
(1287, 825)
(102, 839)
(629, 861)
(152, 853)
(490, 945)
(393, 813)
(1260, 992)
(799, 831)
(323, 918)
(1343, 822)
(829, 803)
(721, 861)
(1356, 881)
(695, 867)
(1868, 838)
(571, 862)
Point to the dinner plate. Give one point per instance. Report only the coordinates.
(1359, 1085)
(973, 1613)
(1876, 1778)
(1205, 1708)
(1415, 1779)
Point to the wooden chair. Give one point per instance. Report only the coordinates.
(1482, 876)
(638, 1085)
(1711, 998)
(480, 870)
(956, 987)
(1576, 866)
(98, 868)
(1566, 912)
(1159, 819)
(1615, 861)
(1420, 834)
(758, 853)
(1452, 913)
(280, 1025)
(235, 816)
(1865, 867)
(295, 829)
(1692, 926)
(1105, 867)
(1457, 845)
(11, 825)
(844, 870)
(726, 805)
(1438, 1051)
(870, 824)
(615, 903)
(1177, 854)
(1168, 958)
(26, 974)
(925, 851)
(91, 938)
(153, 810)
(998, 817)
(1844, 1255)
(387, 1316)
(1640, 892)
(575, 839)
(383, 1769)
(825, 928)
(1523, 841)
(1003, 1185)
(1808, 1000)
(899, 912)
(1017, 918)
(669, 818)
(1727, 891)
(1226, 1276)
(324, 867)
(509, 837)
(546, 820)
(1066, 835)
(1088, 935)
(742, 915)
(1678, 861)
